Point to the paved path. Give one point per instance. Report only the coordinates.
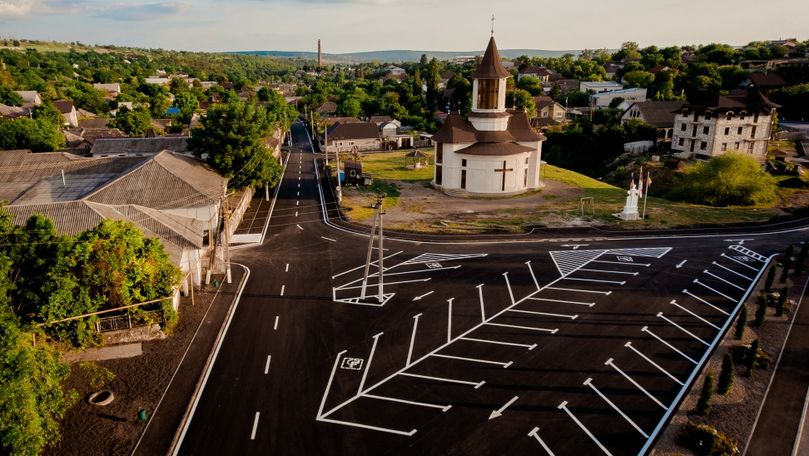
(103, 353)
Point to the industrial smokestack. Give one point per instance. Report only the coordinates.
(319, 56)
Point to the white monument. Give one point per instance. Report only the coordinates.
(630, 211)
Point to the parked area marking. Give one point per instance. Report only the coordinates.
(267, 366)
(255, 427)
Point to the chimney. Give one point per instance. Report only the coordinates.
(319, 56)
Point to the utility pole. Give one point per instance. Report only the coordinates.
(326, 142)
(376, 222)
(226, 236)
(645, 198)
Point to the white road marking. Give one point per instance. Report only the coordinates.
(442, 379)
(723, 280)
(419, 298)
(589, 382)
(299, 193)
(412, 339)
(297, 203)
(482, 307)
(563, 406)
(611, 363)
(532, 312)
(610, 272)
(681, 264)
(578, 303)
(267, 366)
(595, 280)
(535, 435)
(365, 426)
(443, 408)
(629, 346)
(714, 290)
(328, 239)
(530, 328)
(643, 265)
(732, 271)
(255, 427)
(360, 267)
(674, 302)
(648, 331)
(299, 226)
(607, 293)
(508, 285)
(449, 320)
(286, 269)
(283, 287)
(368, 364)
(704, 301)
(275, 325)
(739, 262)
(299, 185)
(499, 412)
(386, 284)
(498, 342)
(475, 360)
(660, 315)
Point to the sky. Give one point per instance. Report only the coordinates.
(369, 25)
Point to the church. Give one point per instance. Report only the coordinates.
(493, 152)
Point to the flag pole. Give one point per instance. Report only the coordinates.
(646, 197)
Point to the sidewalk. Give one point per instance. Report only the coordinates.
(779, 421)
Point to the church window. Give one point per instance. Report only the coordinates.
(463, 162)
(438, 176)
(463, 179)
(525, 178)
(439, 153)
(488, 89)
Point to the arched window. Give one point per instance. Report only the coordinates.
(488, 89)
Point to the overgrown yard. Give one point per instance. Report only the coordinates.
(413, 205)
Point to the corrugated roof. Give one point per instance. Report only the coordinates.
(359, 130)
(658, 114)
(115, 146)
(754, 101)
(490, 66)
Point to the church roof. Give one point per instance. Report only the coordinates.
(490, 66)
(520, 127)
(456, 130)
(495, 149)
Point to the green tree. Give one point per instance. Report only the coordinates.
(787, 264)
(134, 123)
(25, 133)
(642, 79)
(741, 323)
(726, 375)
(727, 180)
(782, 300)
(751, 358)
(705, 396)
(521, 99)
(770, 278)
(349, 106)
(188, 104)
(230, 140)
(263, 94)
(9, 97)
(800, 261)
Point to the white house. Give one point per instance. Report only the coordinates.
(30, 98)
(495, 151)
(599, 86)
(603, 99)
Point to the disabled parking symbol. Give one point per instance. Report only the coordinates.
(354, 364)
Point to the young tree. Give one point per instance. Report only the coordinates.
(782, 300)
(761, 313)
(800, 261)
(741, 323)
(787, 264)
(9, 97)
(705, 396)
(751, 358)
(134, 123)
(726, 375)
(727, 180)
(770, 278)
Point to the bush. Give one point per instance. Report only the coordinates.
(704, 403)
(751, 358)
(726, 375)
(761, 314)
(781, 302)
(741, 323)
(97, 375)
(732, 179)
(704, 440)
(770, 278)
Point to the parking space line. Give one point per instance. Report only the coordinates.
(498, 342)
(386, 283)
(535, 435)
(508, 285)
(267, 365)
(412, 338)
(368, 364)
(255, 426)
(503, 325)
(723, 280)
(475, 360)
(532, 312)
(482, 307)
(629, 346)
(674, 302)
(589, 382)
(275, 325)
(286, 269)
(739, 262)
(443, 408)
(578, 303)
(613, 282)
(362, 266)
(715, 291)
(731, 270)
(660, 315)
(447, 380)
(365, 426)
(704, 301)
(610, 362)
(649, 332)
(643, 265)
(610, 272)
(607, 293)
(563, 406)
(283, 287)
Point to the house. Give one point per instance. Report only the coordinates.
(612, 69)
(379, 120)
(328, 108)
(68, 111)
(353, 172)
(13, 112)
(599, 86)
(604, 99)
(494, 152)
(724, 123)
(353, 137)
(765, 82)
(566, 85)
(329, 121)
(110, 90)
(659, 114)
(106, 147)
(395, 71)
(393, 136)
(30, 98)
(549, 112)
(390, 128)
(167, 196)
(541, 73)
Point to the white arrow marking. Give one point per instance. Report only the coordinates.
(681, 264)
(499, 412)
(418, 298)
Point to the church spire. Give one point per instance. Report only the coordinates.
(490, 66)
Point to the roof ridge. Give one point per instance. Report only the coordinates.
(182, 159)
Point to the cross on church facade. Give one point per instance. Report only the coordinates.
(504, 170)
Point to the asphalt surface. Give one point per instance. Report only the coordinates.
(523, 346)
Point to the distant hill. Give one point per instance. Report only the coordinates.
(402, 55)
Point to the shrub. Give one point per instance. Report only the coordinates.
(751, 358)
(704, 402)
(741, 323)
(800, 261)
(769, 280)
(782, 300)
(726, 375)
(732, 179)
(704, 440)
(97, 375)
(761, 313)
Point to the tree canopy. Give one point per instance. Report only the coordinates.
(731, 179)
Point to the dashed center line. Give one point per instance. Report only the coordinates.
(275, 325)
(267, 366)
(286, 269)
(255, 427)
(283, 287)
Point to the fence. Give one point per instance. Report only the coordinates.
(123, 322)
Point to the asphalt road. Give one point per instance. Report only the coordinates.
(524, 346)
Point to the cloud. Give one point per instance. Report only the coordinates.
(15, 8)
(145, 12)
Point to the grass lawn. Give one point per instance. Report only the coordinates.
(390, 166)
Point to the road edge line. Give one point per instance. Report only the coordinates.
(189, 413)
(274, 199)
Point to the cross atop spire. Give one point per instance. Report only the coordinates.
(492, 24)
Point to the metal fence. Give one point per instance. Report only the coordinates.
(122, 322)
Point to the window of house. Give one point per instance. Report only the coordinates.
(703, 145)
(706, 130)
(724, 147)
(463, 162)
(750, 148)
(463, 179)
(753, 132)
(682, 127)
(488, 90)
(730, 115)
(559, 113)
(755, 118)
(694, 131)
(438, 175)
(727, 131)
(525, 178)
(736, 146)
(682, 141)
(741, 116)
(544, 113)
(740, 130)
(439, 153)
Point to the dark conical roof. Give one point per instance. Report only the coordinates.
(490, 67)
